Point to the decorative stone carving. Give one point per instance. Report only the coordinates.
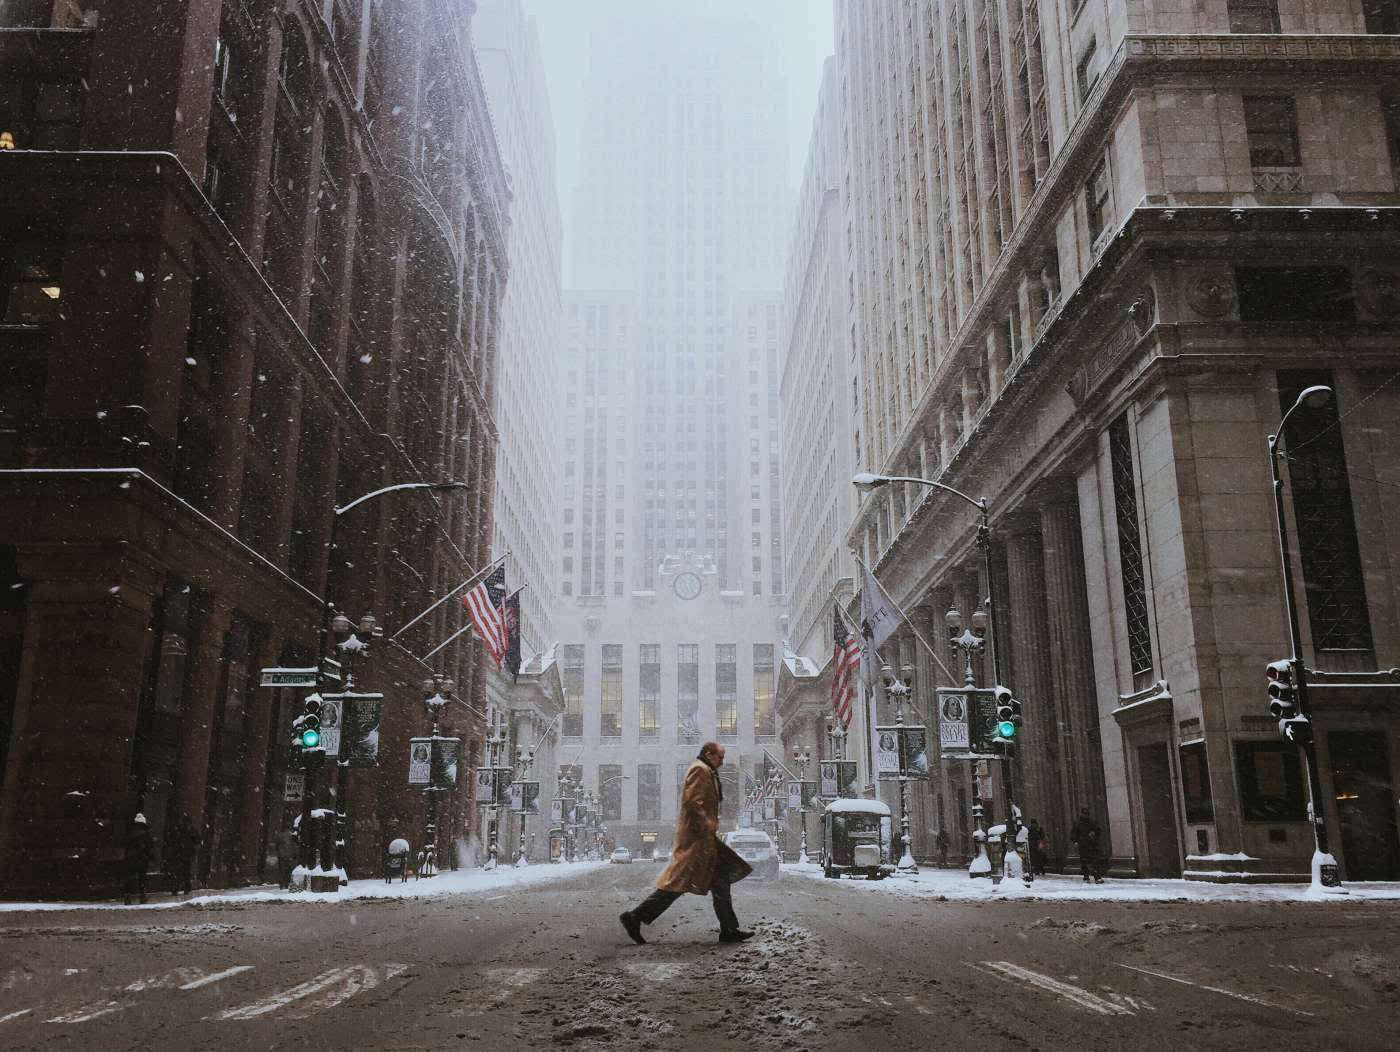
(1143, 309)
(1379, 292)
(1211, 295)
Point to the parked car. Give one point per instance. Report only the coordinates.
(756, 848)
(621, 855)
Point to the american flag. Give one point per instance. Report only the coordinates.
(845, 661)
(485, 615)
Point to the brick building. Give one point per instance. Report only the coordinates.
(253, 258)
(1096, 248)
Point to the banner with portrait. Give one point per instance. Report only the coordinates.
(420, 760)
(525, 797)
(485, 792)
(901, 751)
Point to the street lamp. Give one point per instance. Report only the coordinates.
(898, 691)
(802, 757)
(1325, 876)
(437, 692)
(524, 758)
(324, 674)
(495, 741)
(352, 646)
(836, 739)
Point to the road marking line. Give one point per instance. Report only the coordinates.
(285, 997)
(1074, 994)
(15, 1015)
(92, 1011)
(216, 977)
(1217, 990)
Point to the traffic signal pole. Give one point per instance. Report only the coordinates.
(1324, 865)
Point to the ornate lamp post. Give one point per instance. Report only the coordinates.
(567, 788)
(898, 692)
(495, 742)
(524, 758)
(802, 757)
(437, 692)
(1299, 729)
(969, 641)
(352, 646)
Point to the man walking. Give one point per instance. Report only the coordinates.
(138, 858)
(700, 863)
(1087, 834)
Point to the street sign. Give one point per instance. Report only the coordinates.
(288, 677)
(330, 669)
(293, 787)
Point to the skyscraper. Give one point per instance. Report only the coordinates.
(671, 576)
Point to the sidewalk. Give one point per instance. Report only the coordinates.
(461, 882)
(955, 884)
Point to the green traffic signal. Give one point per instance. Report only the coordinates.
(1006, 729)
(310, 738)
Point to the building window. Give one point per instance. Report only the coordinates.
(765, 715)
(610, 715)
(648, 792)
(650, 683)
(688, 691)
(726, 690)
(1195, 783)
(1096, 200)
(1271, 782)
(1130, 560)
(1271, 127)
(610, 791)
(1253, 16)
(1086, 72)
(571, 672)
(1325, 527)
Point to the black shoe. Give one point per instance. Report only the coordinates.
(735, 936)
(633, 927)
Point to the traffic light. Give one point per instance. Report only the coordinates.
(1008, 717)
(1283, 701)
(309, 724)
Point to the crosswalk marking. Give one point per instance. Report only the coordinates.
(1076, 995)
(92, 1011)
(1217, 990)
(216, 977)
(336, 985)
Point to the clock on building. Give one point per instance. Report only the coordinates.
(687, 585)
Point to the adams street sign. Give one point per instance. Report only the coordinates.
(289, 677)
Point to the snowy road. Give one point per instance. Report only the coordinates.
(835, 966)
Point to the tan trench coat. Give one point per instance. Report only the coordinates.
(698, 856)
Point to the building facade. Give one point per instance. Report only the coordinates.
(1097, 251)
(254, 256)
(527, 389)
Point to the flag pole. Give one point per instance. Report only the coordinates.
(468, 583)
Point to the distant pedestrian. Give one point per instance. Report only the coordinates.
(288, 855)
(941, 842)
(1087, 835)
(701, 863)
(138, 858)
(183, 847)
(1037, 848)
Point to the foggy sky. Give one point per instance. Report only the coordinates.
(802, 27)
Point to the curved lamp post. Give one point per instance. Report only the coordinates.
(1324, 865)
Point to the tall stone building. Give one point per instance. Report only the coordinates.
(671, 571)
(820, 391)
(1096, 251)
(253, 263)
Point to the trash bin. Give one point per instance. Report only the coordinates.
(396, 862)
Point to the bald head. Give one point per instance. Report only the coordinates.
(713, 754)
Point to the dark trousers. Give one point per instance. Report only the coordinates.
(135, 881)
(655, 904)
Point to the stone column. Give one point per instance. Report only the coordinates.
(1037, 755)
(197, 710)
(1082, 756)
(251, 845)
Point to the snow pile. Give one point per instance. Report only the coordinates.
(955, 884)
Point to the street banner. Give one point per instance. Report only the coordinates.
(420, 760)
(359, 728)
(794, 795)
(503, 781)
(485, 785)
(887, 752)
(827, 779)
(915, 751)
(770, 809)
(294, 787)
(746, 818)
(809, 796)
(556, 810)
(525, 797)
(953, 730)
(330, 724)
(446, 754)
